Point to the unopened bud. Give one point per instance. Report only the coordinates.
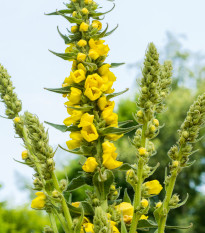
(152, 128)
(144, 203)
(156, 122)
(63, 184)
(142, 151)
(175, 163)
(140, 114)
(112, 187)
(17, 119)
(24, 154)
(55, 194)
(158, 204)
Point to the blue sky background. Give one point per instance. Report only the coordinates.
(26, 34)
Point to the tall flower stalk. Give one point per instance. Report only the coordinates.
(94, 127)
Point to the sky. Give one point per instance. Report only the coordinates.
(26, 34)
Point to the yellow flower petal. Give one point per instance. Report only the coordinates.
(90, 165)
(89, 133)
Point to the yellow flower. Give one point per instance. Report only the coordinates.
(143, 217)
(110, 117)
(156, 122)
(24, 154)
(39, 202)
(17, 119)
(144, 203)
(75, 95)
(74, 65)
(93, 54)
(82, 67)
(74, 29)
(88, 1)
(76, 140)
(86, 120)
(76, 204)
(89, 133)
(82, 43)
(93, 80)
(153, 187)
(69, 104)
(90, 165)
(114, 137)
(76, 115)
(84, 27)
(109, 156)
(103, 103)
(93, 93)
(69, 49)
(78, 75)
(114, 228)
(85, 11)
(97, 24)
(99, 47)
(88, 227)
(68, 80)
(104, 69)
(81, 57)
(127, 211)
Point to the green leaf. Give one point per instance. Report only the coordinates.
(116, 94)
(123, 226)
(99, 14)
(64, 37)
(66, 11)
(80, 222)
(126, 197)
(76, 183)
(102, 34)
(83, 108)
(76, 151)
(70, 19)
(147, 224)
(62, 90)
(109, 33)
(124, 167)
(113, 130)
(122, 123)
(64, 56)
(63, 128)
(88, 209)
(180, 204)
(114, 65)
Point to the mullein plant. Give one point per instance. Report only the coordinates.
(94, 128)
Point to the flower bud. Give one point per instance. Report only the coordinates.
(85, 11)
(63, 184)
(74, 29)
(17, 119)
(142, 151)
(156, 122)
(55, 194)
(175, 163)
(24, 154)
(144, 203)
(158, 204)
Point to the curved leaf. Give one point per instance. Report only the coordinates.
(64, 56)
(64, 37)
(114, 65)
(113, 130)
(66, 11)
(63, 128)
(116, 94)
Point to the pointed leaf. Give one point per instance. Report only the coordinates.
(99, 14)
(76, 183)
(66, 11)
(63, 128)
(123, 226)
(70, 19)
(116, 94)
(102, 34)
(83, 108)
(114, 65)
(109, 33)
(76, 151)
(124, 167)
(62, 90)
(126, 197)
(64, 37)
(181, 203)
(88, 209)
(113, 130)
(64, 56)
(122, 123)
(80, 222)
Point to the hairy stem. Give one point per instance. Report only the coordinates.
(138, 189)
(53, 222)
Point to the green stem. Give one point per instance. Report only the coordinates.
(165, 207)
(53, 223)
(63, 202)
(62, 221)
(138, 189)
